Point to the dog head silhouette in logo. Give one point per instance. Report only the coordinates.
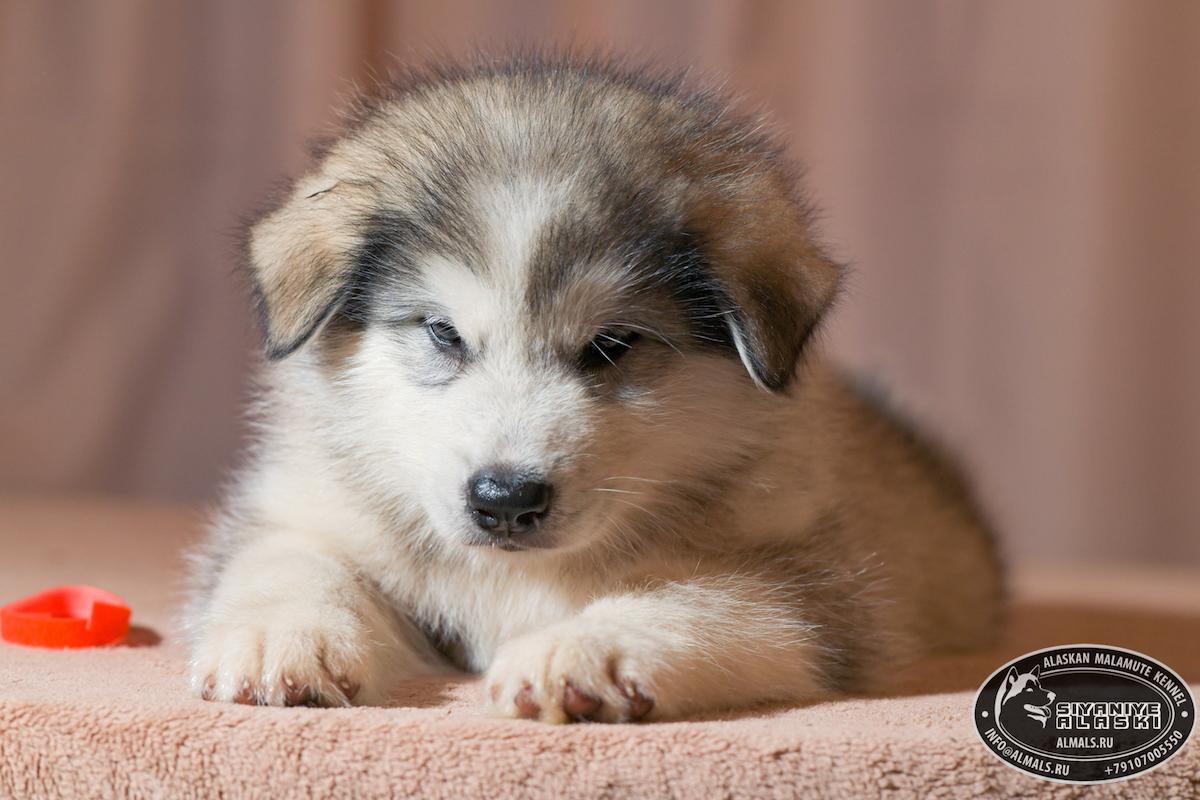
(1021, 696)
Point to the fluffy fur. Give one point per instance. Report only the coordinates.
(631, 283)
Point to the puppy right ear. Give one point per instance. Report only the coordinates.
(1011, 677)
(302, 258)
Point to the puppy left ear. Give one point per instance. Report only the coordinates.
(301, 257)
(778, 281)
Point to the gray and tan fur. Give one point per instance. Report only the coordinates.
(609, 285)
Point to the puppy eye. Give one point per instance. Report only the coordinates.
(606, 348)
(443, 333)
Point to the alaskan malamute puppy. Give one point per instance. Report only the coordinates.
(543, 403)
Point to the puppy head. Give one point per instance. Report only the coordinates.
(527, 289)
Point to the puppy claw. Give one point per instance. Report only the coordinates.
(295, 694)
(349, 689)
(639, 704)
(246, 694)
(527, 707)
(579, 704)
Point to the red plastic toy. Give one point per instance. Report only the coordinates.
(65, 616)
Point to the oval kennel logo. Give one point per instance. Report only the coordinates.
(1084, 713)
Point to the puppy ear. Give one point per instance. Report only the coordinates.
(777, 280)
(302, 258)
(1011, 678)
(1036, 671)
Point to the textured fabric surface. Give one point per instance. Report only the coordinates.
(118, 721)
(1016, 185)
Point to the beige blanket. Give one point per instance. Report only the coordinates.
(118, 722)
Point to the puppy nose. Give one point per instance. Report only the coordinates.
(505, 502)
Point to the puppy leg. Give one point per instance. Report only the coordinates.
(660, 654)
(287, 623)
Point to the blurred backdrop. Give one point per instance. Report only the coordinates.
(1016, 185)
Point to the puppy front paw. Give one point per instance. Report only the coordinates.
(576, 671)
(274, 657)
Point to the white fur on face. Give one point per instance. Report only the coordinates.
(433, 421)
(501, 410)
(511, 215)
(426, 422)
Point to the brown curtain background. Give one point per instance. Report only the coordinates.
(1016, 184)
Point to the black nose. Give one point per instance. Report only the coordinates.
(505, 502)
